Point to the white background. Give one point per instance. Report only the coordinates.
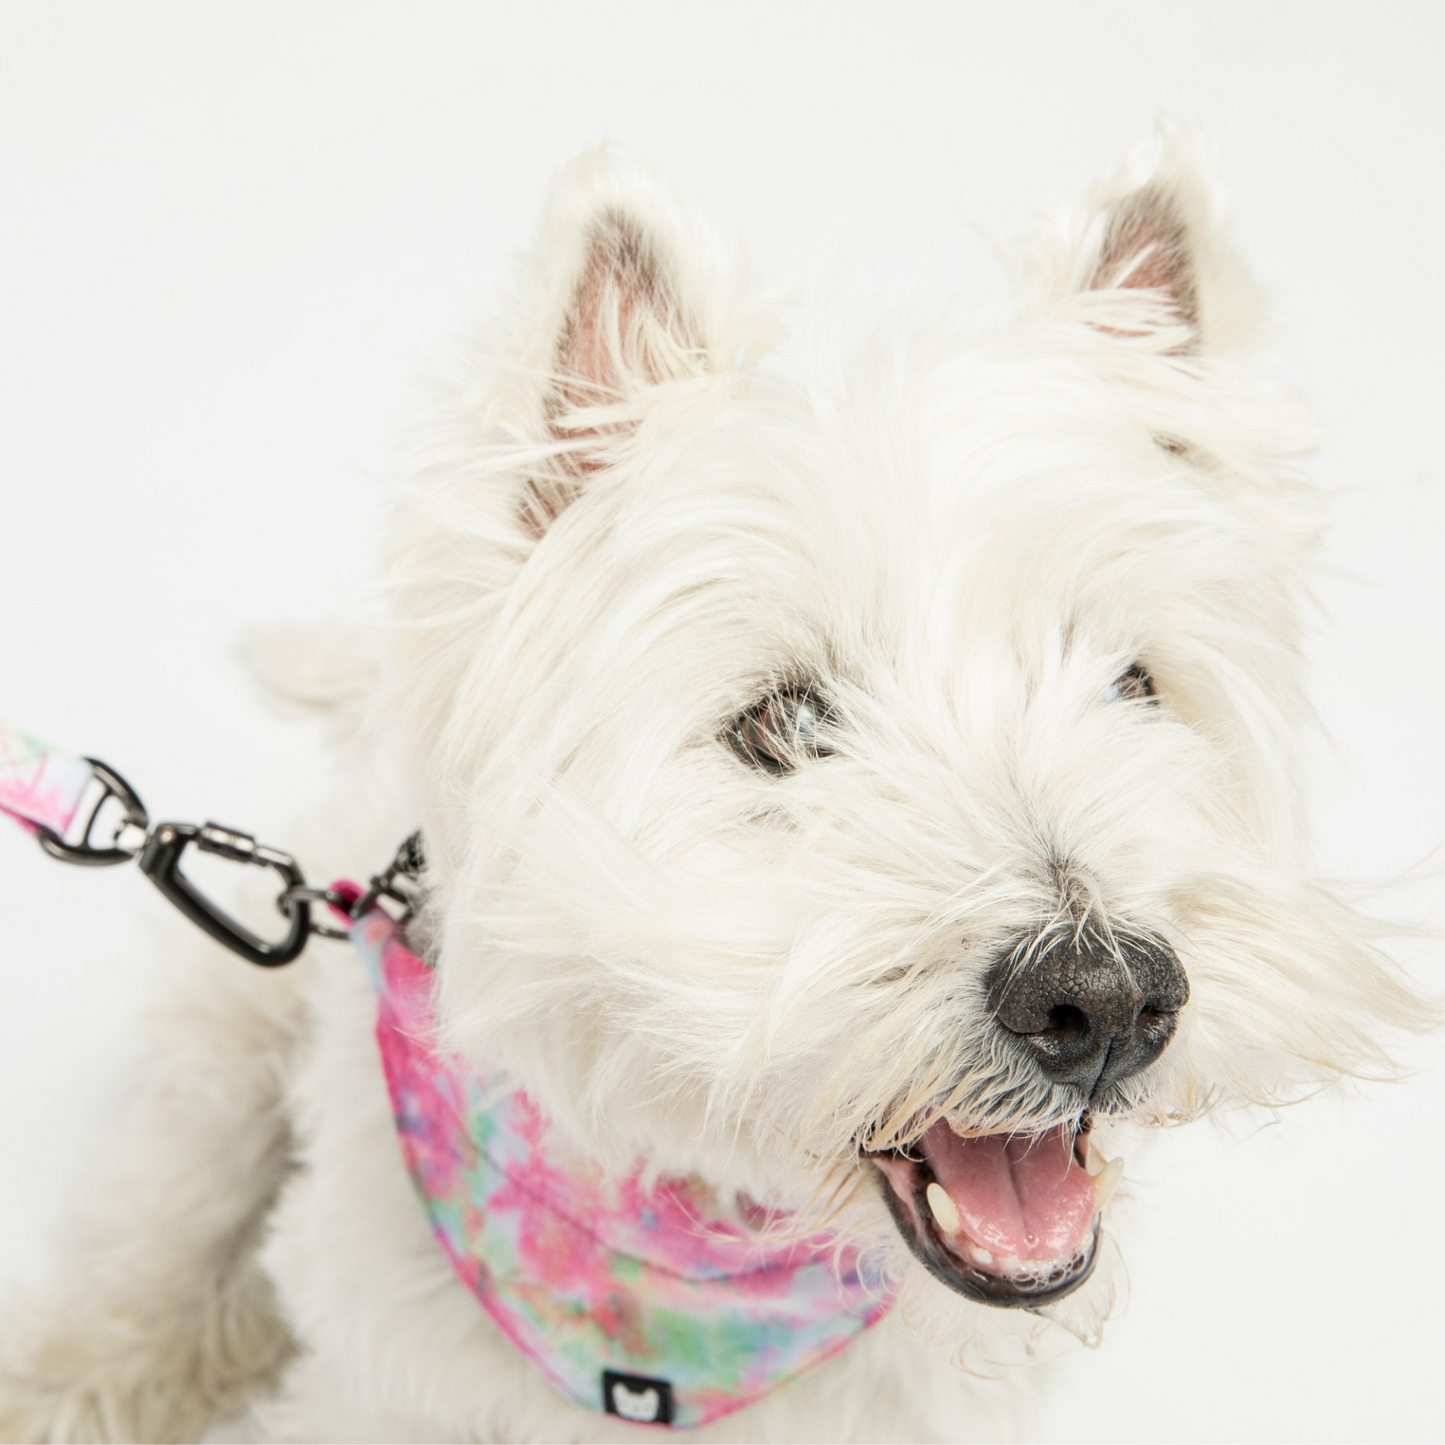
(233, 241)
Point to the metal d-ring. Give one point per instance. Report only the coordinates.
(332, 897)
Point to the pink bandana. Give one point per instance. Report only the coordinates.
(649, 1302)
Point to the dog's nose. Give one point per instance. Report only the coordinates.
(1089, 1012)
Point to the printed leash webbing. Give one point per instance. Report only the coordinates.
(40, 787)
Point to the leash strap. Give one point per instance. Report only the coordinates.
(40, 787)
(82, 811)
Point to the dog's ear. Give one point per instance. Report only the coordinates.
(630, 304)
(1147, 258)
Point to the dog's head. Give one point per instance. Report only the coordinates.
(880, 775)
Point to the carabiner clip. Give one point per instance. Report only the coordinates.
(160, 862)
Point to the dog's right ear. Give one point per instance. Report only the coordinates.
(1147, 257)
(632, 301)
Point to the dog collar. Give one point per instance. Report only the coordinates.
(649, 1301)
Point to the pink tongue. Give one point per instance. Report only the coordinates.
(1014, 1195)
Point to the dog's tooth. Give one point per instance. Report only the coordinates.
(1011, 1264)
(1095, 1163)
(979, 1255)
(1107, 1182)
(945, 1211)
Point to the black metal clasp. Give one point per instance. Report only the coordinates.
(126, 833)
(400, 881)
(86, 851)
(161, 859)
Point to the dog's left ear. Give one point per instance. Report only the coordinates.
(633, 302)
(1148, 259)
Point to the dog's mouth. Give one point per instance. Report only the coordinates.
(1005, 1219)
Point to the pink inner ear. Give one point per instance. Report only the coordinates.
(620, 308)
(1147, 246)
(619, 287)
(586, 363)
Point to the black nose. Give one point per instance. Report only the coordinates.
(1090, 1012)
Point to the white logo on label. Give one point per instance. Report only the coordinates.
(635, 1404)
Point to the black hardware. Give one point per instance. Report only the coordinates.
(401, 882)
(161, 849)
(332, 897)
(160, 862)
(86, 853)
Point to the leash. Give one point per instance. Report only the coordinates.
(82, 811)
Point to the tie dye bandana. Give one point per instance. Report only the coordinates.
(39, 787)
(649, 1301)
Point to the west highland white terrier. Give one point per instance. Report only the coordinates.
(851, 802)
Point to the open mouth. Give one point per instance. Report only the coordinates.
(1005, 1219)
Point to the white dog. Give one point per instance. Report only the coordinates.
(850, 802)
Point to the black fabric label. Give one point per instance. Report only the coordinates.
(637, 1398)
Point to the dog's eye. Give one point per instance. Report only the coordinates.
(779, 731)
(1134, 684)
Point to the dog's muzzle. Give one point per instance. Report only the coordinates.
(1013, 1219)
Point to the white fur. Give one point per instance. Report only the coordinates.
(636, 528)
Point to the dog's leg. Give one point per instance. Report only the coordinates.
(160, 1319)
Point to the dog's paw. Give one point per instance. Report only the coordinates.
(76, 1371)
